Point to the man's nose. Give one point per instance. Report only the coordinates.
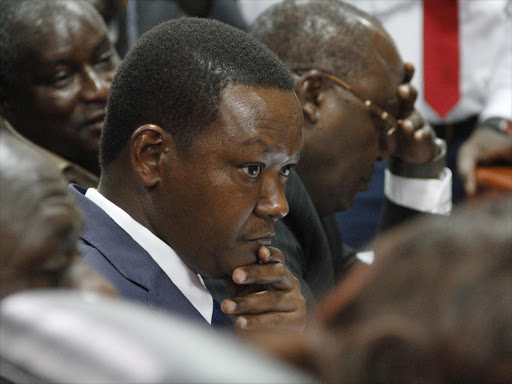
(95, 86)
(272, 201)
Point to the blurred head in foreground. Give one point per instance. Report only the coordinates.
(435, 307)
(39, 224)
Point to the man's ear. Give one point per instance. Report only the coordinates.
(149, 146)
(308, 89)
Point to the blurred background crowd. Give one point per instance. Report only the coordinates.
(256, 191)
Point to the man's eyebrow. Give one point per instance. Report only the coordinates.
(254, 141)
(103, 43)
(63, 60)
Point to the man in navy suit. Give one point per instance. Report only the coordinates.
(202, 130)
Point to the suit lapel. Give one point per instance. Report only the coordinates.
(129, 258)
(164, 294)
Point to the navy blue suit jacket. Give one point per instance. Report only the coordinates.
(114, 254)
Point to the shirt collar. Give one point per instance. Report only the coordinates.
(187, 281)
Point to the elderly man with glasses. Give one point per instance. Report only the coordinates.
(358, 107)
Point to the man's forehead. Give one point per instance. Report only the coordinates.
(42, 30)
(253, 115)
(382, 70)
(253, 122)
(250, 102)
(32, 177)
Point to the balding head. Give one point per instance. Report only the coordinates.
(342, 138)
(434, 307)
(39, 223)
(328, 35)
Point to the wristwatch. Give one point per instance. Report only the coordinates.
(499, 124)
(430, 170)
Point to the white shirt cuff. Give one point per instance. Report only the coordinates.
(424, 195)
(366, 257)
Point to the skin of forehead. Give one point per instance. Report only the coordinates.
(384, 65)
(33, 29)
(26, 178)
(25, 168)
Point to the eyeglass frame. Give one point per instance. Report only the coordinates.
(381, 113)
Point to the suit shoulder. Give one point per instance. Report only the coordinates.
(125, 287)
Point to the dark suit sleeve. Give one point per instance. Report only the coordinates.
(394, 214)
(343, 256)
(303, 241)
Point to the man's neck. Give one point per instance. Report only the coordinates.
(119, 187)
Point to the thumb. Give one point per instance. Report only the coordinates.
(466, 166)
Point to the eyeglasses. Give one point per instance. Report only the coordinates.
(392, 122)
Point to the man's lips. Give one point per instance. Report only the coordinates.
(263, 239)
(95, 121)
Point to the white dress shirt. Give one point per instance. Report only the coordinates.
(485, 42)
(188, 282)
(485, 30)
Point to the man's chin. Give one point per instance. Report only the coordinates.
(239, 257)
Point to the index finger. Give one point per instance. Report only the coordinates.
(270, 255)
(466, 163)
(273, 275)
(407, 95)
(408, 71)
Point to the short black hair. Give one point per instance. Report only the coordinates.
(174, 77)
(326, 35)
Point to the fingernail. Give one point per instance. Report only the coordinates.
(418, 135)
(407, 125)
(264, 252)
(228, 306)
(239, 276)
(242, 322)
(404, 89)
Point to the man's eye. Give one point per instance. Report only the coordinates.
(60, 79)
(107, 62)
(252, 170)
(285, 171)
(106, 58)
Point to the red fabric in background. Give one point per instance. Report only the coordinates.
(441, 54)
